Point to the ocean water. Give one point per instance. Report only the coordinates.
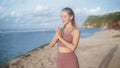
(13, 44)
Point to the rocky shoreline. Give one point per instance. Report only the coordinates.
(102, 50)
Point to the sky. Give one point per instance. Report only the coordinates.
(45, 14)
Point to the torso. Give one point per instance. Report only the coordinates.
(64, 49)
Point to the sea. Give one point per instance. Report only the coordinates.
(16, 43)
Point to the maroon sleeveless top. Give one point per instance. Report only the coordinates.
(68, 37)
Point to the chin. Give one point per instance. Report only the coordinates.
(64, 23)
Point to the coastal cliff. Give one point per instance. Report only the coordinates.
(108, 21)
(102, 50)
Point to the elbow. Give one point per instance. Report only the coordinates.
(72, 49)
(50, 46)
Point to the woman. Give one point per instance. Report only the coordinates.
(67, 39)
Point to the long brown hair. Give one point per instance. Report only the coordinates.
(71, 13)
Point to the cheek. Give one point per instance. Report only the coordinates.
(66, 19)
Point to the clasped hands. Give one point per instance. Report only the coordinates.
(59, 32)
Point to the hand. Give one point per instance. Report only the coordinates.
(59, 32)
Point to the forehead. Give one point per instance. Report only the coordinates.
(64, 12)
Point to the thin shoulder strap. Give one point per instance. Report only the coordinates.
(70, 31)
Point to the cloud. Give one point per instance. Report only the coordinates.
(14, 13)
(39, 8)
(11, 2)
(37, 16)
(116, 10)
(87, 11)
(2, 14)
(8, 2)
(83, 13)
(1, 9)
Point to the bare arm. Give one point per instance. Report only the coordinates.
(55, 39)
(72, 46)
(53, 42)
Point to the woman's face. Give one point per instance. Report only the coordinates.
(65, 17)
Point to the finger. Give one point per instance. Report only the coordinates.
(57, 33)
(56, 29)
(59, 28)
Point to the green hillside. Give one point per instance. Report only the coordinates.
(108, 21)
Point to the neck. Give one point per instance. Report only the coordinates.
(68, 25)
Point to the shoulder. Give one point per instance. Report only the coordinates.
(76, 31)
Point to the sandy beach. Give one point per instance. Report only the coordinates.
(102, 50)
